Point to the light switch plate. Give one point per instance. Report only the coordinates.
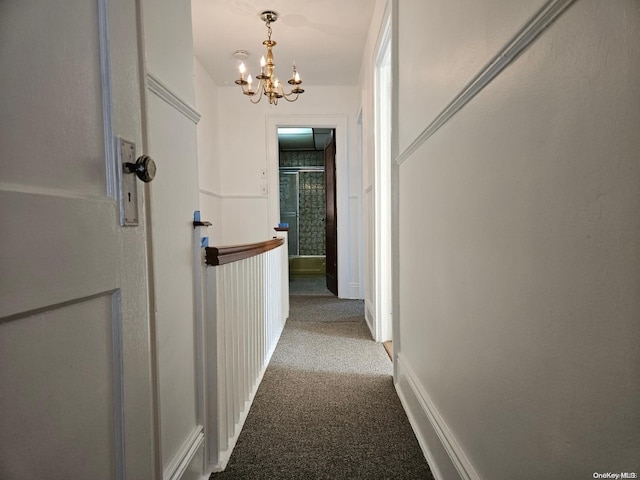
(128, 186)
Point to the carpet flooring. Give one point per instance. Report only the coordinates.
(316, 285)
(327, 407)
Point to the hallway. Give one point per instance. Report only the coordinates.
(327, 407)
(502, 256)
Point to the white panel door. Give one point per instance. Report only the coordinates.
(75, 389)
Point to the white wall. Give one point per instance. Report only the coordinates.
(520, 240)
(208, 153)
(168, 43)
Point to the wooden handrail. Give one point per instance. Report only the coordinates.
(222, 255)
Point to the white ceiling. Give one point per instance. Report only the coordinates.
(324, 37)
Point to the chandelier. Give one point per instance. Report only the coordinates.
(268, 84)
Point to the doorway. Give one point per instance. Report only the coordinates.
(347, 268)
(306, 164)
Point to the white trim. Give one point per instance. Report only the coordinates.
(210, 193)
(118, 383)
(107, 117)
(428, 410)
(155, 85)
(369, 316)
(55, 306)
(181, 461)
(395, 186)
(383, 31)
(359, 200)
(248, 195)
(232, 195)
(354, 290)
(529, 32)
(382, 118)
(50, 192)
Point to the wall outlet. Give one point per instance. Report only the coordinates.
(263, 173)
(263, 189)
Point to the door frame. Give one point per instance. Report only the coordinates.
(383, 87)
(340, 124)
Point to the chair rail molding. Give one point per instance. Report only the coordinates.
(233, 195)
(516, 45)
(155, 85)
(211, 193)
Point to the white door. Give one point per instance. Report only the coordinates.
(75, 389)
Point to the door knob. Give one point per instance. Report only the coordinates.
(144, 168)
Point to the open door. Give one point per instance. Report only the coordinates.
(75, 389)
(331, 223)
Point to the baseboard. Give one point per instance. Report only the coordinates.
(445, 456)
(188, 451)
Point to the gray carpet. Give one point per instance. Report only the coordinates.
(316, 285)
(325, 309)
(327, 408)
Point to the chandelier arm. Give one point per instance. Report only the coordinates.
(287, 95)
(260, 88)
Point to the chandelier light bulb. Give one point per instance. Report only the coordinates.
(242, 68)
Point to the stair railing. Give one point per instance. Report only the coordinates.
(246, 305)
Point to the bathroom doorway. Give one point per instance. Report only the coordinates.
(307, 206)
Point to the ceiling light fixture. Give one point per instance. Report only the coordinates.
(268, 83)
